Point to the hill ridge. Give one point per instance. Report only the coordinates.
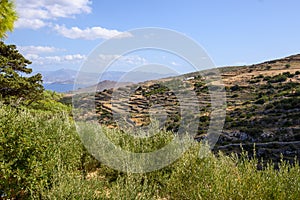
(263, 104)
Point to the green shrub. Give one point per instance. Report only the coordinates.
(267, 78)
(33, 146)
(199, 84)
(278, 78)
(288, 74)
(50, 101)
(259, 76)
(254, 81)
(235, 96)
(43, 158)
(228, 119)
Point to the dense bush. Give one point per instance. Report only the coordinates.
(50, 101)
(43, 158)
(288, 74)
(277, 78)
(35, 146)
(155, 90)
(259, 76)
(199, 84)
(267, 78)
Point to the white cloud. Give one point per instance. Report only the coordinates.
(118, 60)
(38, 49)
(119, 63)
(54, 60)
(31, 56)
(74, 57)
(113, 62)
(89, 33)
(30, 23)
(133, 60)
(36, 14)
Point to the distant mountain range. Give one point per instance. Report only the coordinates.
(63, 80)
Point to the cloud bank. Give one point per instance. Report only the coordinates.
(89, 33)
(37, 14)
(38, 49)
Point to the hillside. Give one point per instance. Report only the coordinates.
(263, 106)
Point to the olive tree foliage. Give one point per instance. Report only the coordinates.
(16, 86)
(8, 16)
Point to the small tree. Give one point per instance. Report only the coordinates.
(14, 85)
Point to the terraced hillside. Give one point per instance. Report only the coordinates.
(263, 106)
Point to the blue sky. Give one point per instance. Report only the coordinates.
(58, 34)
